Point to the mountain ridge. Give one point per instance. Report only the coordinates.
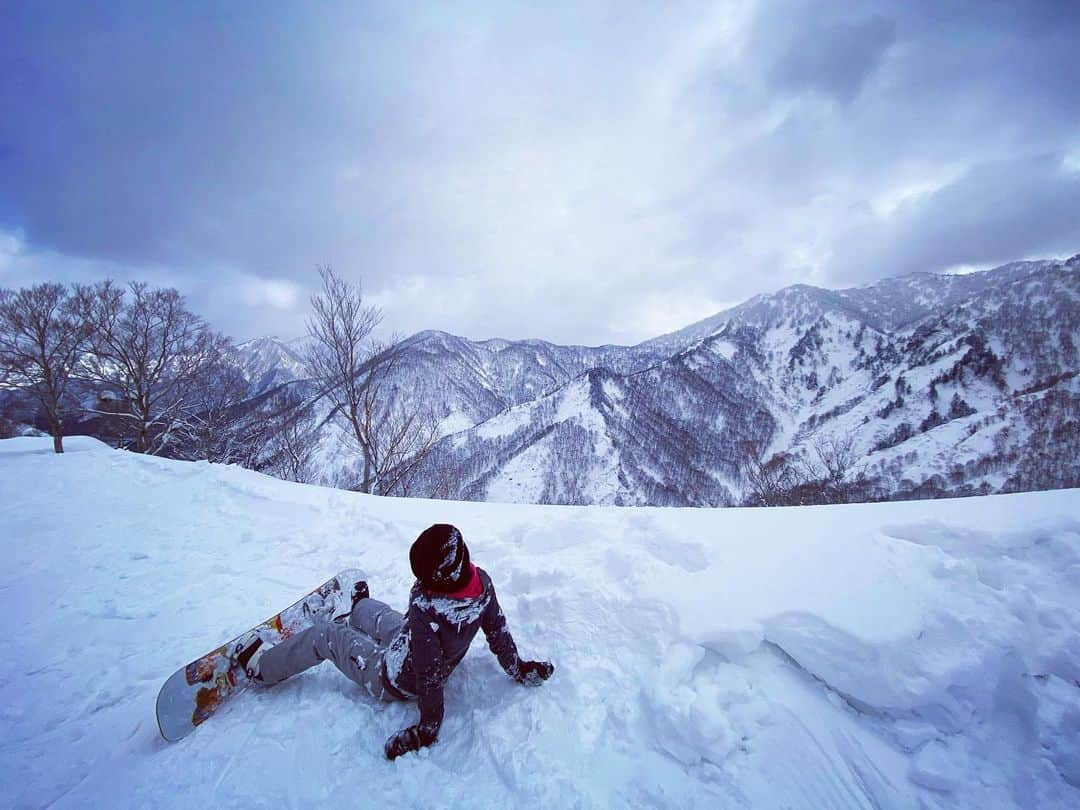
(882, 363)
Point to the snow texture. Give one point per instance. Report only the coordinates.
(895, 655)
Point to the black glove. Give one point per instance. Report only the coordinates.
(534, 673)
(408, 739)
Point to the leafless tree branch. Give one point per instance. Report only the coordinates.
(356, 370)
(43, 330)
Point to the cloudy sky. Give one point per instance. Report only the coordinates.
(586, 175)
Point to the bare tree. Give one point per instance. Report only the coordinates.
(769, 481)
(295, 446)
(217, 411)
(398, 434)
(43, 330)
(282, 437)
(147, 356)
(340, 355)
(392, 435)
(827, 467)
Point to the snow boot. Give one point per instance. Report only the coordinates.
(247, 652)
(332, 608)
(360, 591)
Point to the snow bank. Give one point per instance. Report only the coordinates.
(892, 655)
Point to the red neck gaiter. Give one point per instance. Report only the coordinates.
(470, 591)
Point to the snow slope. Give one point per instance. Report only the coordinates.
(915, 654)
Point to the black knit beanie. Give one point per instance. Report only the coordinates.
(440, 559)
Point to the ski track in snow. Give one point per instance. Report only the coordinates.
(916, 654)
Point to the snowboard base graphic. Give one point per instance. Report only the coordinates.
(196, 691)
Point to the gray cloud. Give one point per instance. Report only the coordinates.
(579, 175)
(834, 57)
(993, 213)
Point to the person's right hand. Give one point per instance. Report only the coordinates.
(534, 673)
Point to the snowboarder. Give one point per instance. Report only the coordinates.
(410, 657)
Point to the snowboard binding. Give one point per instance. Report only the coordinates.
(360, 591)
(246, 654)
(333, 608)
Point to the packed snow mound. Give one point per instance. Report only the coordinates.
(917, 654)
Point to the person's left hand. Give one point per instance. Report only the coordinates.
(408, 739)
(534, 673)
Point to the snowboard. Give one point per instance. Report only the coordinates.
(196, 691)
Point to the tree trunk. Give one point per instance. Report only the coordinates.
(366, 487)
(57, 438)
(142, 441)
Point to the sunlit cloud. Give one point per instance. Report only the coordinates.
(275, 293)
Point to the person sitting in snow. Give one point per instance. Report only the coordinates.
(408, 657)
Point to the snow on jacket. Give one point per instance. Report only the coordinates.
(435, 636)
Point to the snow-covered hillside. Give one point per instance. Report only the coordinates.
(889, 655)
(946, 385)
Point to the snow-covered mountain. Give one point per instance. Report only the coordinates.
(472, 381)
(895, 655)
(268, 362)
(946, 384)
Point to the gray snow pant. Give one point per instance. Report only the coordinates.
(355, 647)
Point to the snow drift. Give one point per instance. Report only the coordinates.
(916, 654)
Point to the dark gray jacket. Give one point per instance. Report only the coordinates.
(434, 638)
